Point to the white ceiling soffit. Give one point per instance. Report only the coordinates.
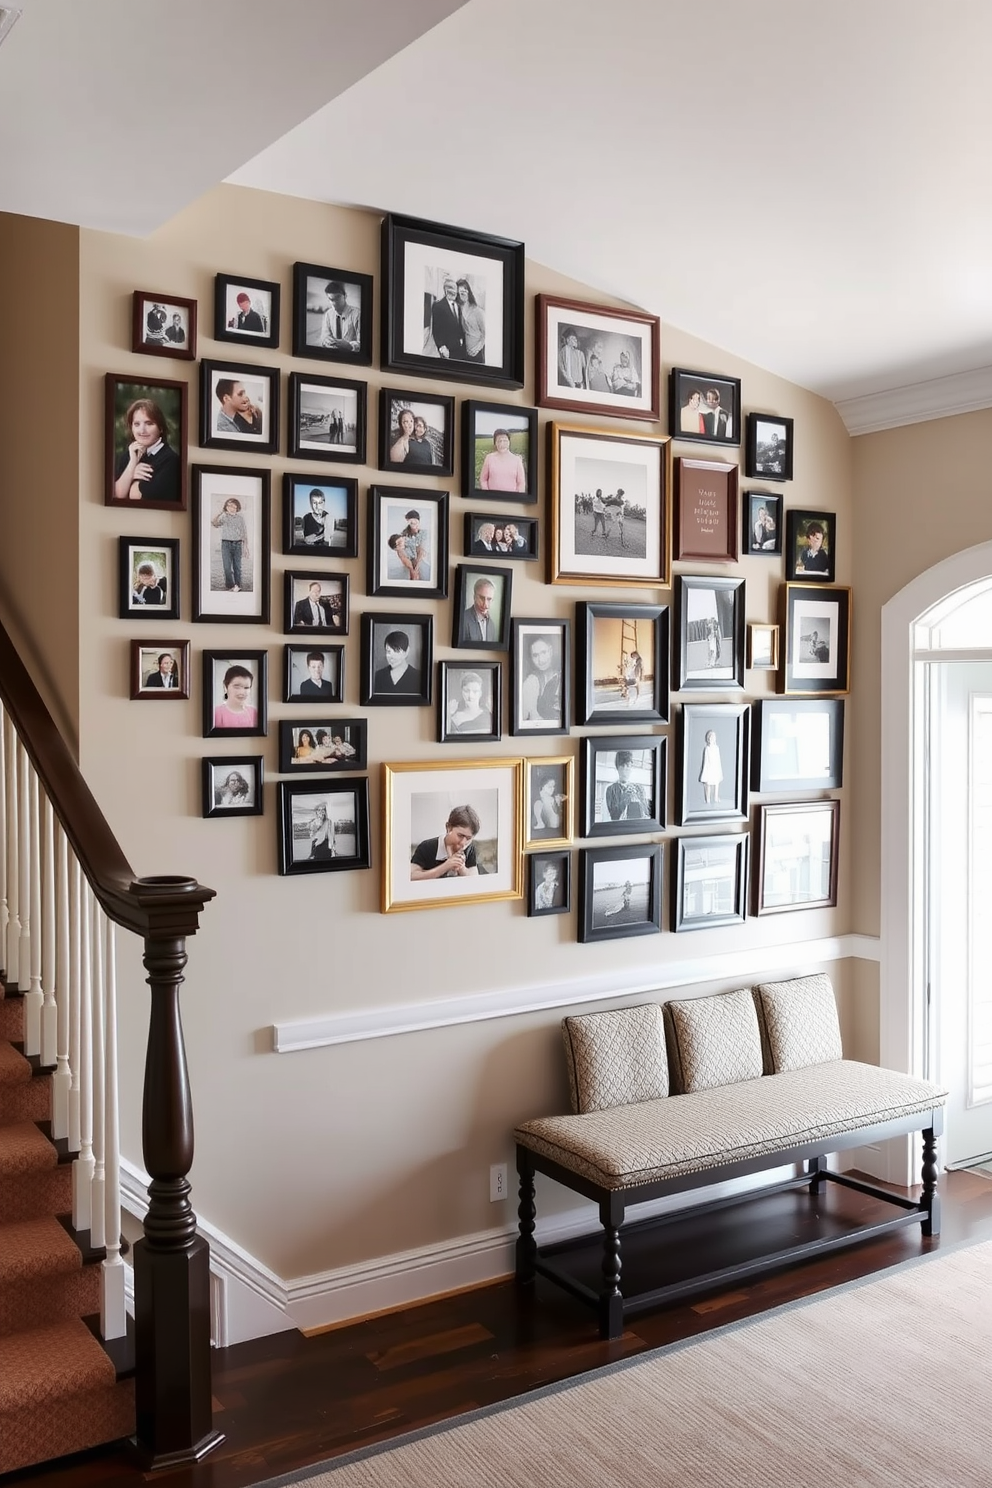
(805, 185)
(115, 114)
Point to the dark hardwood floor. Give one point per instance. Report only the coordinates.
(287, 1401)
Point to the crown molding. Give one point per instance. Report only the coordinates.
(941, 397)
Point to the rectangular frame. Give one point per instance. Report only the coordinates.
(487, 471)
(216, 695)
(256, 325)
(303, 683)
(549, 814)
(390, 685)
(153, 325)
(607, 333)
(339, 402)
(159, 409)
(461, 720)
(540, 695)
(798, 744)
(791, 856)
(412, 817)
(762, 525)
(639, 533)
(146, 683)
(698, 882)
(324, 529)
(244, 795)
(705, 768)
(345, 746)
(346, 793)
(620, 676)
(599, 868)
(769, 447)
(547, 896)
(816, 632)
(401, 450)
(762, 646)
(802, 527)
(332, 600)
(637, 801)
(467, 619)
(521, 547)
(158, 597)
(407, 535)
(250, 421)
(707, 503)
(710, 623)
(316, 331)
(217, 558)
(692, 413)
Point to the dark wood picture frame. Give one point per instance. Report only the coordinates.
(523, 544)
(762, 525)
(322, 685)
(216, 667)
(307, 393)
(309, 324)
(453, 678)
(145, 669)
(376, 628)
(712, 776)
(564, 377)
(707, 503)
(615, 681)
(710, 620)
(811, 546)
(148, 583)
(297, 615)
(816, 639)
(615, 804)
(433, 452)
(147, 308)
(633, 908)
(396, 550)
(166, 486)
(697, 882)
(545, 897)
(324, 756)
(305, 522)
(692, 413)
(798, 744)
(469, 577)
(331, 858)
(214, 487)
(765, 460)
(246, 792)
(481, 423)
(540, 685)
(789, 869)
(261, 296)
(259, 383)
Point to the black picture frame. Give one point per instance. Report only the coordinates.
(148, 578)
(430, 451)
(305, 682)
(163, 325)
(798, 852)
(144, 415)
(620, 891)
(798, 744)
(762, 525)
(407, 536)
(332, 600)
(549, 894)
(467, 619)
(239, 391)
(540, 676)
(811, 546)
(624, 784)
(217, 559)
(380, 670)
(622, 666)
(320, 516)
(469, 702)
(713, 774)
(815, 655)
(692, 412)
(328, 418)
(146, 671)
(710, 620)
(232, 785)
(346, 807)
(769, 448)
(334, 745)
(246, 311)
(514, 480)
(417, 258)
(312, 304)
(223, 672)
(520, 547)
(710, 882)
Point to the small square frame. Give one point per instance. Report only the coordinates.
(765, 460)
(762, 525)
(338, 405)
(556, 899)
(325, 757)
(400, 451)
(480, 423)
(299, 802)
(165, 489)
(213, 487)
(612, 807)
(762, 646)
(710, 633)
(310, 283)
(712, 779)
(622, 671)
(231, 294)
(261, 432)
(707, 504)
(391, 562)
(523, 544)
(146, 657)
(245, 793)
(163, 340)
(549, 814)
(452, 677)
(468, 578)
(412, 688)
(798, 744)
(711, 902)
(327, 686)
(797, 841)
(331, 531)
(333, 601)
(540, 706)
(616, 899)
(800, 527)
(215, 666)
(157, 603)
(816, 631)
(609, 333)
(691, 415)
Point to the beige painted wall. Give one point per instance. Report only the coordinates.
(323, 1158)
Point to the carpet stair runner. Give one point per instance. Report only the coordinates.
(59, 1390)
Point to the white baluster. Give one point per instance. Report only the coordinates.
(13, 920)
(62, 1079)
(75, 999)
(98, 1064)
(113, 1312)
(3, 836)
(49, 924)
(34, 998)
(24, 874)
(82, 1171)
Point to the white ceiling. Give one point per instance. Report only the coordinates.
(807, 185)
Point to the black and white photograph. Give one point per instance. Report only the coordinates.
(598, 359)
(481, 609)
(704, 407)
(816, 625)
(769, 447)
(797, 856)
(163, 325)
(230, 544)
(239, 407)
(549, 793)
(611, 508)
(320, 516)
(416, 435)
(159, 669)
(499, 451)
(624, 780)
(397, 660)
(549, 883)
(327, 418)
(469, 702)
(313, 674)
(332, 314)
(762, 646)
(234, 693)
(246, 310)
(540, 670)
(148, 577)
(324, 829)
(711, 633)
(811, 545)
(146, 444)
(622, 663)
(619, 892)
(407, 542)
(709, 885)
(713, 765)
(316, 603)
(454, 303)
(232, 785)
(488, 534)
(323, 744)
(762, 536)
(798, 745)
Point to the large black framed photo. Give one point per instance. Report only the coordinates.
(499, 451)
(710, 633)
(549, 883)
(454, 303)
(408, 542)
(397, 660)
(549, 793)
(159, 669)
(323, 744)
(598, 359)
(540, 672)
(148, 577)
(762, 536)
(332, 314)
(146, 443)
(316, 604)
(231, 544)
(816, 650)
(622, 663)
(620, 892)
(481, 611)
(313, 674)
(234, 694)
(239, 407)
(798, 744)
(769, 447)
(709, 885)
(324, 828)
(416, 434)
(624, 780)
(232, 785)
(714, 743)
(798, 849)
(469, 702)
(327, 418)
(811, 546)
(320, 516)
(163, 325)
(704, 407)
(246, 310)
(611, 508)
(487, 534)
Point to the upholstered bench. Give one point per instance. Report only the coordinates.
(671, 1098)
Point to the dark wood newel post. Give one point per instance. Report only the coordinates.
(172, 1263)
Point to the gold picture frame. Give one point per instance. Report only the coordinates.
(549, 801)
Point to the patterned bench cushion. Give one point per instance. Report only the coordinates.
(713, 1041)
(799, 1022)
(615, 1058)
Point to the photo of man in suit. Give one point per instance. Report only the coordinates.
(446, 323)
(315, 610)
(717, 422)
(478, 624)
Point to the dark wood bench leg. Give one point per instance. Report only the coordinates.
(930, 1199)
(817, 1169)
(526, 1213)
(611, 1211)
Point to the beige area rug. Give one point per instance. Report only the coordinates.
(881, 1383)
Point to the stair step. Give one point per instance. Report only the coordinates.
(14, 1068)
(11, 1018)
(25, 1149)
(34, 1304)
(34, 1248)
(33, 1195)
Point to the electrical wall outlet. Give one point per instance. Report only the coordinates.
(497, 1183)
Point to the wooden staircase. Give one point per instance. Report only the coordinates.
(59, 1390)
